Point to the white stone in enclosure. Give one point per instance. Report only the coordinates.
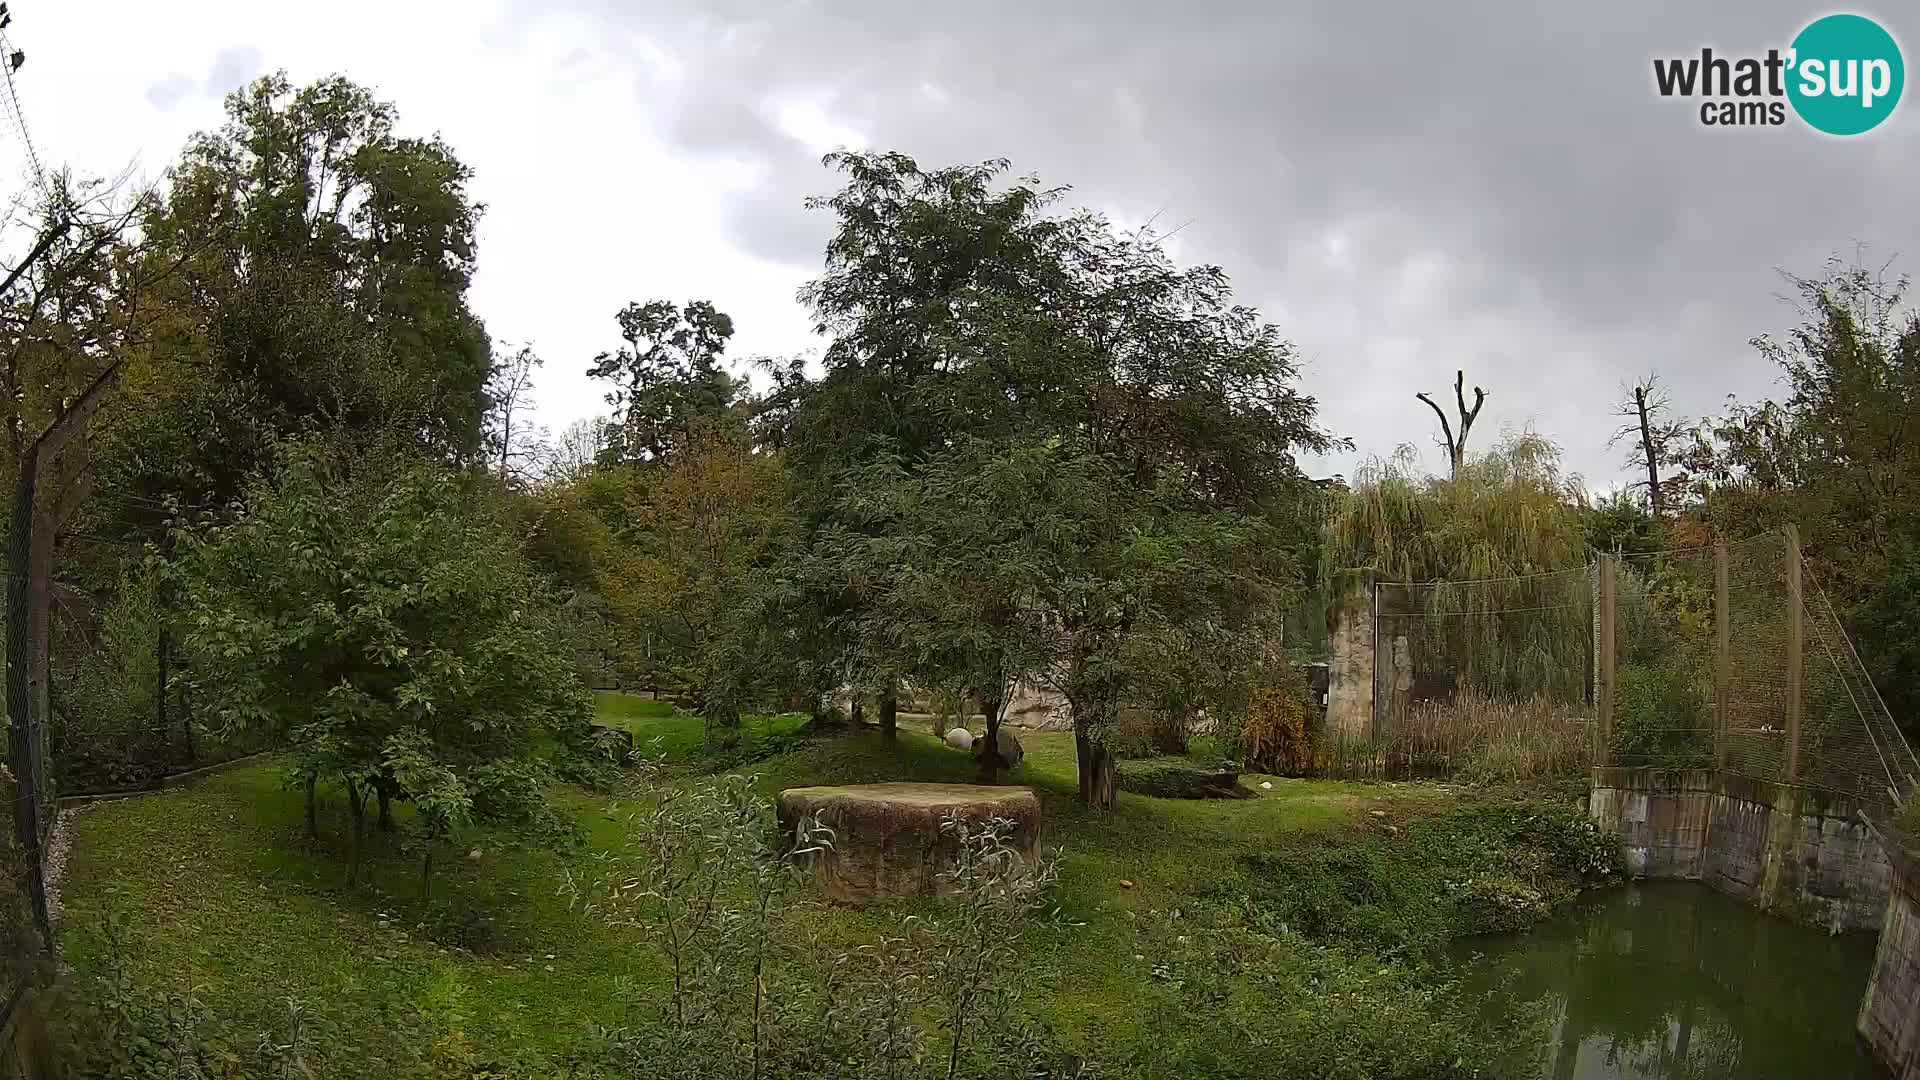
(960, 739)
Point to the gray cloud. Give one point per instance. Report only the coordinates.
(167, 93)
(231, 69)
(1405, 188)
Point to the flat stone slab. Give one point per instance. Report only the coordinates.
(887, 841)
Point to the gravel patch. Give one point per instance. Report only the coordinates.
(59, 846)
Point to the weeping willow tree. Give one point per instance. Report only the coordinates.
(1485, 573)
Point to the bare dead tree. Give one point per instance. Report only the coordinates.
(510, 391)
(1652, 431)
(579, 445)
(1457, 447)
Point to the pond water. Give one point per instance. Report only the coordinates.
(1671, 979)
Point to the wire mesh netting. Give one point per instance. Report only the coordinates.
(1758, 698)
(1729, 657)
(121, 709)
(1489, 676)
(1664, 660)
(29, 809)
(1849, 741)
(1719, 657)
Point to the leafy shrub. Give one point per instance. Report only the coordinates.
(1475, 870)
(1660, 719)
(1497, 903)
(752, 751)
(1311, 1008)
(592, 767)
(1277, 737)
(706, 881)
(1179, 778)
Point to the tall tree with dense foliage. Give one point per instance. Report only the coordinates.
(324, 264)
(668, 383)
(709, 524)
(375, 610)
(1838, 456)
(959, 302)
(1486, 540)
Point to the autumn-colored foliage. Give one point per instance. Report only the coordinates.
(1277, 737)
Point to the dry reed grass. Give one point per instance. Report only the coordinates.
(1473, 737)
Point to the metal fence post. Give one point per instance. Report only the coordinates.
(1609, 601)
(1722, 655)
(1373, 706)
(1795, 631)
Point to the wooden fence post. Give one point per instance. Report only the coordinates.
(1609, 600)
(1722, 656)
(1794, 639)
(1373, 702)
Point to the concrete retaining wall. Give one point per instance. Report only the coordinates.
(1890, 1012)
(1350, 669)
(1793, 852)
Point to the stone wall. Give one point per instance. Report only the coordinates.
(1890, 1011)
(1039, 707)
(1797, 853)
(1350, 668)
(1661, 817)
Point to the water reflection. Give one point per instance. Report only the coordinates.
(1673, 980)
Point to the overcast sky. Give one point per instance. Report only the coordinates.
(1404, 189)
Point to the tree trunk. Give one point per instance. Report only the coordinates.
(858, 712)
(357, 806)
(22, 732)
(889, 713)
(313, 816)
(991, 764)
(1097, 775)
(162, 656)
(426, 872)
(186, 720)
(1649, 451)
(386, 808)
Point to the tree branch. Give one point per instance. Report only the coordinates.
(1446, 429)
(74, 418)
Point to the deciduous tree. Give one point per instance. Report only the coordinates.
(375, 610)
(1150, 417)
(668, 383)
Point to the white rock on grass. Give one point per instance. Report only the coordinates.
(960, 739)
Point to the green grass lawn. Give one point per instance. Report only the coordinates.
(659, 728)
(225, 899)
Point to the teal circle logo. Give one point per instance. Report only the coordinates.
(1845, 74)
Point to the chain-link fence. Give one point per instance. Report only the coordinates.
(121, 708)
(1718, 657)
(30, 807)
(1663, 656)
(1486, 676)
(1728, 657)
